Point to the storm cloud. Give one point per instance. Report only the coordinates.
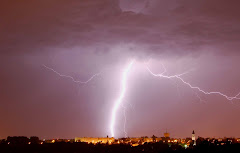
(161, 26)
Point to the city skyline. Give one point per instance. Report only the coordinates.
(188, 142)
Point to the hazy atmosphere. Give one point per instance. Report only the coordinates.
(81, 38)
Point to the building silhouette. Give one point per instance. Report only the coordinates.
(193, 138)
(166, 134)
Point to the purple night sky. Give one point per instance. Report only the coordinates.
(80, 38)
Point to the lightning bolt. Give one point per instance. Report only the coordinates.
(120, 98)
(70, 77)
(125, 121)
(191, 86)
(178, 76)
(126, 71)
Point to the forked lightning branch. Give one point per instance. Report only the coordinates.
(123, 84)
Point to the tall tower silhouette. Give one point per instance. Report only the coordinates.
(193, 138)
(166, 134)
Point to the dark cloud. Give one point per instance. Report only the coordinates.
(182, 25)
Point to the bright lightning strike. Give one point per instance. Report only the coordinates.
(123, 89)
(125, 121)
(191, 86)
(122, 94)
(70, 77)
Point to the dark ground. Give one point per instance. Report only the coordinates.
(120, 148)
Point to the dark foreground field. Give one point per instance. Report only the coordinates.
(120, 148)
